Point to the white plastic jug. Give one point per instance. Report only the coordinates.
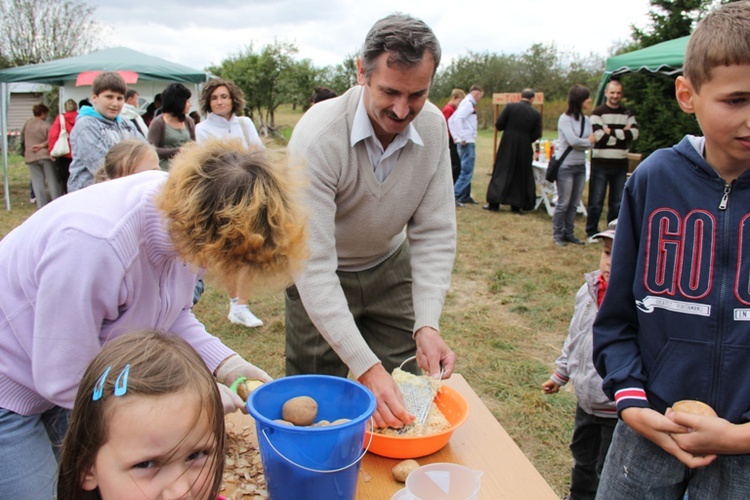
(441, 481)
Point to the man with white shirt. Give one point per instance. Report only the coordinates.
(463, 127)
(382, 222)
(130, 112)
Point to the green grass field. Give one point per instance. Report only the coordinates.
(506, 315)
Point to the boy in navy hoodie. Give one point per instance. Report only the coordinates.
(674, 323)
(98, 128)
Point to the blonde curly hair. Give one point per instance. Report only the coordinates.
(235, 213)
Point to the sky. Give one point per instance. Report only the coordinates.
(199, 33)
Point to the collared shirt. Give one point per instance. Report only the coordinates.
(383, 160)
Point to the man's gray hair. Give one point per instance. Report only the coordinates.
(404, 37)
(527, 94)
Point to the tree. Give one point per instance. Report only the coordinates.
(661, 122)
(341, 77)
(35, 31)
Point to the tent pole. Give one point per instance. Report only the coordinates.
(602, 85)
(4, 131)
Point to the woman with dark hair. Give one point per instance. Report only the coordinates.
(173, 127)
(221, 102)
(35, 136)
(574, 132)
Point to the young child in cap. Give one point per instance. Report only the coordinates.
(596, 415)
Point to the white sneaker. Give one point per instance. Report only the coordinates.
(241, 315)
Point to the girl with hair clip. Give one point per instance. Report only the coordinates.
(221, 102)
(126, 255)
(147, 423)
(128, 157)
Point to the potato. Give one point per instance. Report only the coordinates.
(340, 421)
(301, 410)
(283, 422)
(694, 407)
(246, 387)
(402, 470)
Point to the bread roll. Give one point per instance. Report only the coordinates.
(694, 407)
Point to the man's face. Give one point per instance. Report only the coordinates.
(395, 95)
(108, 103)
(722, 107)
(613, 94)
(133, 101)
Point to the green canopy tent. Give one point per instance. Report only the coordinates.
(663, 58)
(65, 72)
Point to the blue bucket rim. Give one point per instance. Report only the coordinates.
(372, 404)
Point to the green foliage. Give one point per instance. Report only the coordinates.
(541, 67)
(341, 77)
(661, 122)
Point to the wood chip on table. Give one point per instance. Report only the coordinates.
(243, 470)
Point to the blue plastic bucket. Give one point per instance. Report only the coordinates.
(312, 463)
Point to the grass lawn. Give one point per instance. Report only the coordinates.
(506, 315)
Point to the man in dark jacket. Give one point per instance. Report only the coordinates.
(512, 180)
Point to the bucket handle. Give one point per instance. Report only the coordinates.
(372, 430)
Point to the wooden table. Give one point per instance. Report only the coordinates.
(481, 444)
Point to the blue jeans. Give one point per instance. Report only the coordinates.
(598, 181)
(468, 155)
(636, 468)
(591, 438)
(570, 182)
(30, 450)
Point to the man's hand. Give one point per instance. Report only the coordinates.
(432, 351)
(607, 130)
(391, 410)
(658, 428)
(709, 435)
(550, 387)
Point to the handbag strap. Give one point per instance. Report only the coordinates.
(244, 131)
(63, 130)
(570, 148)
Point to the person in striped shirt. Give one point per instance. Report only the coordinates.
(615, 129)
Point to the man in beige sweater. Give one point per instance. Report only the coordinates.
(382, 222)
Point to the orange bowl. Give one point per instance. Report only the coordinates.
(456, 411)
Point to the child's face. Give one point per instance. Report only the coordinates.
(722, 108)
(154, 453)
(606, 259)
(108, 103)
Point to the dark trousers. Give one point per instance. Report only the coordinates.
(598, 181)
(63, 172)
(591, 438)
(455, 159)
(380, 301)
